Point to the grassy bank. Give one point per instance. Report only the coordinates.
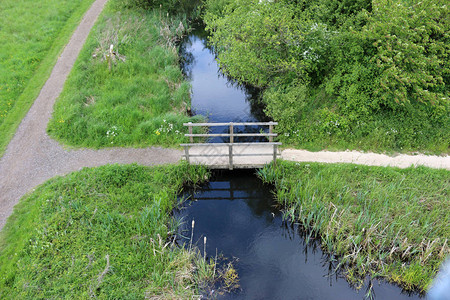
(33, 34)
(136, 96)
(383, 222)
(103, 232)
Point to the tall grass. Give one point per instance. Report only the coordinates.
(385, 222)
(132, 95)
(33, 33)
(104, 232)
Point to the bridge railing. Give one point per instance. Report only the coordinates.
(231, 144)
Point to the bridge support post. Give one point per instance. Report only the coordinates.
(274, 153)
(230, 156)
(186, 153)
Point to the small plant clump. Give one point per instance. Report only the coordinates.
(382, 222)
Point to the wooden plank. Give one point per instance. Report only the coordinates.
(230, 155)
(238, 166)
(231, 133)
(228, 124)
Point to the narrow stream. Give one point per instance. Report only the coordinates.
(236, 212)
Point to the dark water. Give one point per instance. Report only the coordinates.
(216, 96)
(236, 212)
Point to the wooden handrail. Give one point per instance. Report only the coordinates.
(230, 144)
(235, 124)
(228, 134)
(270, 135)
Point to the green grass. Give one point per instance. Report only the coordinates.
(385, 222)
(33, 34)
(138, 98)
(104, 232)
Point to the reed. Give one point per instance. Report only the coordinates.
(383, 222)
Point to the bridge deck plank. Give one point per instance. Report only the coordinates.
(244, 156)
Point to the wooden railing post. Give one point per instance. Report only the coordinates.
(270, 132)
(191, 138)
(186, 153)
(231, 133)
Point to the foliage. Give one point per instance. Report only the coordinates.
(383, 222)
(140, 99)
(258, 42)
(413, 49)
(33, 34)
(103, 232)
(342, 74)
(173, 6)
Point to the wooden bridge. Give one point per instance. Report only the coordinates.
(231, 154)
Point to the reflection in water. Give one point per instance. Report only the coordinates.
(236, 213)
(215, 95)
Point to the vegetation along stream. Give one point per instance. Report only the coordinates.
(235, 211)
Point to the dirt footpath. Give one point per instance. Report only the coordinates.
(32, 157)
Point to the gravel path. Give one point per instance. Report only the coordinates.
(32, 157)
(370, 159)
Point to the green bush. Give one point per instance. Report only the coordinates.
(173, 6)
(342, 74)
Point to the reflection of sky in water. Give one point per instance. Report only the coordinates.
(230, 102)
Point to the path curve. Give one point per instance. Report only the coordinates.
(32, 157)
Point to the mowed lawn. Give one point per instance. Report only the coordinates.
(32, 34)
(136, 96)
